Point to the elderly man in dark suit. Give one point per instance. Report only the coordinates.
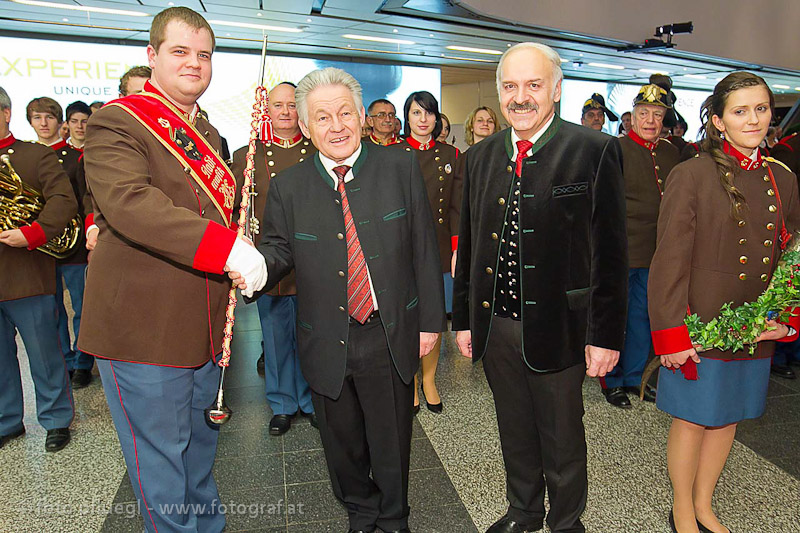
(540, 287)
(355, 224)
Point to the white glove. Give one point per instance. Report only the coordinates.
(248, 261)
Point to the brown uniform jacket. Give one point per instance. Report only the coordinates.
(269, 161)
(155, 290)
(443, 184)
(28, 272)
(70, 159)
(705, 258)
(645, 167)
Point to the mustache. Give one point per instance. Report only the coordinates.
(528, 106)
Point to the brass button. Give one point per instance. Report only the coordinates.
(10, 151)
(302, 150)
(441, 178)
(766, 178)
(441, 200)
(772, 209)
(658, 167)
(742, 223)
(485, 305)
(341, 273)
(269, 153)
(742, 241)
(63, 152)
(341, 308)
(440, 168)
(441, 211)
(408, 149)
(436, 158)
(436, 151)
(653, 154)
(768, 243)
(441, 221)
(441, 189)
(341, 342)
(489, 270)
(660, 181)
(494, 236)
(765, 260)
(339, 236)
(743, 259)
(501, 201)
(742, 276)
(300, 160)
(272, 163)
(764, 277)
(61, 161)
(509, 169)
(305, 143)
(272, 174)
(770, 226)
(770, 192)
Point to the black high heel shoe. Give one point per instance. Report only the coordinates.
(672, 522)
(433, 407)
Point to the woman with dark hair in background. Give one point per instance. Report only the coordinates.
(445, 133)
(724, 220)
(422, 125)
(481, 123)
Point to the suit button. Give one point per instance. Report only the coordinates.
(302, 150)
(341, 308)
(485, 305)
(341, 274)
(658, 167)
(441, 178)
(770, 192)
(742, 241)
(494, 236)
(61, 161)
(339, 236)
(766, 178)
(764, 277)
(269, 153)
(272, 175)
(272, 163)
(441, 200)
(742, 223)
(501, 201)
(772, 209)
(441, 221)
(509, 169)
(765, 260)
(342, 343)
(770, 226)
(441, 211)
(742, 276)
(489, 270)
(768, 243)
(743, 259)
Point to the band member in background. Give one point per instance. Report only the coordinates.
(77, 115)
(445, 133)
(539, 293)
(381, 115)
(354, 223)
(27, 288)
(423, 123)
(154, 308)
(594, 112)
(647, 160)
(398, 126)
(132, 82)
(724, 220)
(44, 114)
(481, 123)
(287, 390)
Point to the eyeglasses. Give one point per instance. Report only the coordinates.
(383, 115)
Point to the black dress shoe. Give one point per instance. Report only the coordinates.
(783, 371)
(616, 396)
(11, 436)
(506, 525)
(81, 378)
(312, 418)
(359, 531)
(56, 439)
(435, 407)
(260, 365)
(404, 530)
(280, 424)
(649, 392)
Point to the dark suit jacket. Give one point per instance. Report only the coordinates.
(303, 229)
(572, 246)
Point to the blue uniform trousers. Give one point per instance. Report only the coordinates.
(287, 389)
(168, 447)
(636, 352)
(35, 319)
(786, 352)
(75, 281)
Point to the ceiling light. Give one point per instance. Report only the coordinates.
(394, 30)
(308, 20)
(651, 71)
(254, 26)
(564, 60)
(475, 50)
(469, 59)
(779, 86)
(430, 35)
(88, 9)
(695, 76)
(604, 65)
(797, 88)
(376, 39)
(258, 14)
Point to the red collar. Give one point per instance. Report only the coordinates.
(73, 146)
(392, 140)
(285, 143)
(150, 88)
(744, 162)
(415, 144)
(641, 142)
(8, 141)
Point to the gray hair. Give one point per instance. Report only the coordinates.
(548, 52)
(321, 78)
(5, 101)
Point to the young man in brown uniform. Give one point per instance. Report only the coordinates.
(27, 301)
(156, 293)
(287, 390)
(646, 162)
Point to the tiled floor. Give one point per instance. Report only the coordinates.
(457, 481)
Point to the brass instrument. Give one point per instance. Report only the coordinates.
(20, 204)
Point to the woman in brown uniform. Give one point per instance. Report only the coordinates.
(423, 123)
(725, 217)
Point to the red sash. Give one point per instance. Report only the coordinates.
(179, 136)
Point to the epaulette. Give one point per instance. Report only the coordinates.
(773, 160)
(788, 137)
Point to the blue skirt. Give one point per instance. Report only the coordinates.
(725, 391)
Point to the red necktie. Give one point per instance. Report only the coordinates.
(359, 292)
(522, 148)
